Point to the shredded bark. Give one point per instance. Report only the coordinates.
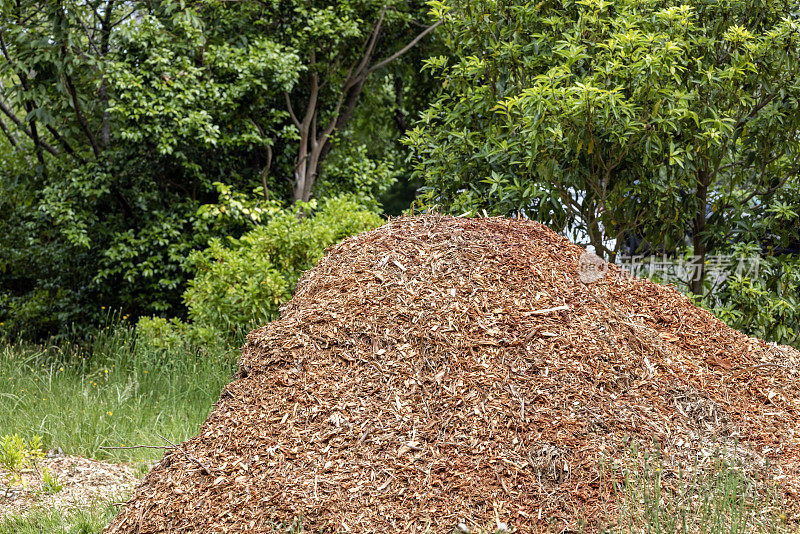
(440, 371)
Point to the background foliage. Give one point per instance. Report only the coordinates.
(134, 134)
(240, 283)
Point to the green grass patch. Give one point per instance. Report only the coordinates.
(75, 521)
(113, 389)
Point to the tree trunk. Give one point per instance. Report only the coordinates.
(313, 145)
(698, 271)
(596, 236)
(305, 175)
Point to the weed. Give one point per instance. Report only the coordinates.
(16, 455)
(58, 521)
(112, 389)
(50, 482)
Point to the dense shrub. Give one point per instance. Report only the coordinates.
(240, 283)
(350, 170)
(764, 303)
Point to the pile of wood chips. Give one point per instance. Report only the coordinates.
(441, 371)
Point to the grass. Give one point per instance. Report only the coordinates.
(113, 390)
(76, 521)
(110, 390)
(720, 495)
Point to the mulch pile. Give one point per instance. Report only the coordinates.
(441, 371)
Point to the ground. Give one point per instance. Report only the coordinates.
(85, 482)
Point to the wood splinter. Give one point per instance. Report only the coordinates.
(205, 470)
(565, 307)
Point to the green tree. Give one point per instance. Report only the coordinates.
(677, 123)
(114, 127)
(123, 119)
(344, 45)
(667, 119)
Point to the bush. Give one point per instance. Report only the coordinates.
(351, 170)
(764, 303)
(159, 335)
(241, 283)
(15, 452)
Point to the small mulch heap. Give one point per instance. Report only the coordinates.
(84, 482)
(440, 370)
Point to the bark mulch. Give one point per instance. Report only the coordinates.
(439, 370)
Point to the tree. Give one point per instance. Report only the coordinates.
(126, 118)
(49, 52)
(341, 45)
(667, 119)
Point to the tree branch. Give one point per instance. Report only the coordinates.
(8, 134)
(202, 466)
(755, 110)
(106, 27)
(403, 50)
(64, 143)
(19, 124)
(291, 111)
(38, 143)
(314, 96)
(79, 115)
(89, 37)
(337, 109)
(265, 172)
(370, 46)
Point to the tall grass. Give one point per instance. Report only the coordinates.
(76, 521)
(110, 390)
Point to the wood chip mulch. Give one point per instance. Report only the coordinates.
(438, 371)
(84, 483)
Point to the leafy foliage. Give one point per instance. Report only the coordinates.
(241, 283)
(764, 304)
(16, 453)
(350, 170)
(120, 122)
(576, 114)
(51, 483)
